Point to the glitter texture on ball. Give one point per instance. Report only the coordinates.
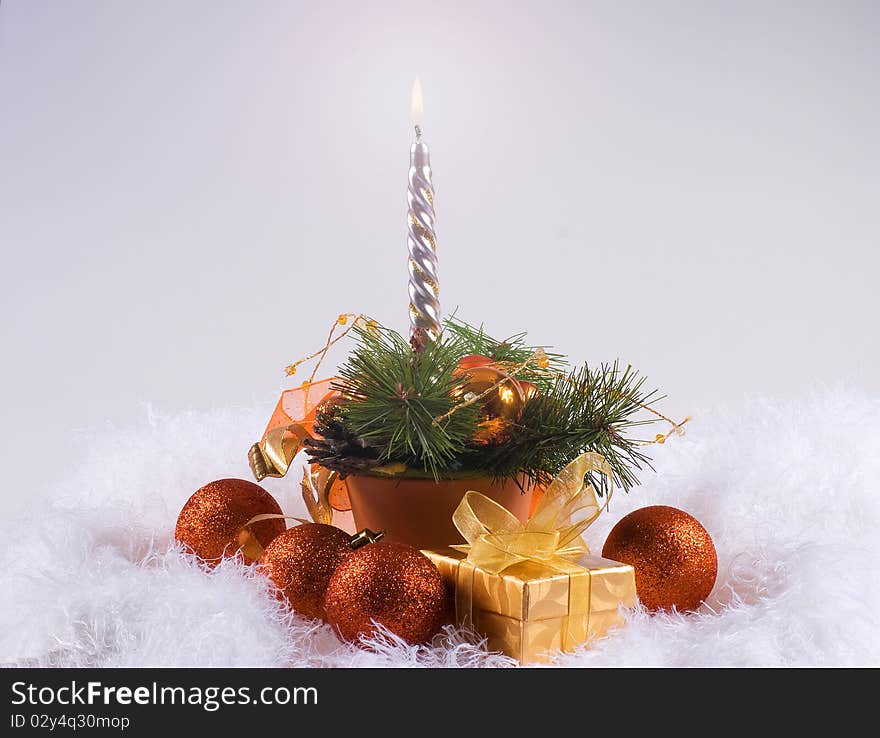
(301, 561)
(673, 556)
(390, 583)
(212, 519)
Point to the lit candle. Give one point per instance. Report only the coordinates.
(424, 302)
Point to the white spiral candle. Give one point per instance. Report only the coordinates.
(424, 301)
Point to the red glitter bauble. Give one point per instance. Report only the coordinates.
(301, 561)
(672, 554)
(212, 520)
(390, 583)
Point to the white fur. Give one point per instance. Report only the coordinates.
(788, 489)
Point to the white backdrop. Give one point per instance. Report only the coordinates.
(190, 193)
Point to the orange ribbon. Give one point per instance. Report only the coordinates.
(290, 424)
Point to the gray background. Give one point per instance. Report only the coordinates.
(191, 191)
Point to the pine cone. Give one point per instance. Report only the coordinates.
(335, 447)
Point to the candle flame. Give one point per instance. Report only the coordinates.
(417, 108)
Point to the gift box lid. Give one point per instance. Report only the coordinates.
(533, 591)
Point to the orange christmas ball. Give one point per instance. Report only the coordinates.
(389, 583)
(301, 561)
(212, 521)
(672, 554)
(471, 361)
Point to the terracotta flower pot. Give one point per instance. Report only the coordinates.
(419, 511)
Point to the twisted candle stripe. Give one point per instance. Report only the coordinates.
(424, 302)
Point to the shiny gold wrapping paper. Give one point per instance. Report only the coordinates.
(530, 611)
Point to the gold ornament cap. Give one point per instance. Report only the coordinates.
(364, 538)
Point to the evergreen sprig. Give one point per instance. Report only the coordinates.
(393, 395)
(590, 409)
(513, 350)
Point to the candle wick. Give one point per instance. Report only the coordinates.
(418, 132)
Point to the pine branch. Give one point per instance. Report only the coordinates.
(588, 410)
(391, 396)
(512, 350)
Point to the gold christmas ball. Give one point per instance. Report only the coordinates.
(301, 561)
(212, 521)
(529, 389)
(502, 405)
(389, 583)
(672, 554)
(505, 401)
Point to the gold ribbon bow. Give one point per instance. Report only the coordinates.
(496, 539)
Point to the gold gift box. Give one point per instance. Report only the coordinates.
(529, 611)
